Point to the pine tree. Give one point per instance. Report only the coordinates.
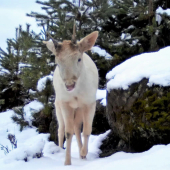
(41, 64)
(26, 61)
(133, 28)
(89, 16)
(11, 91)
(21, 67)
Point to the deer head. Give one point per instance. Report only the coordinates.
(69, 57)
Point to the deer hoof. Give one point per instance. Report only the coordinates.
(67, 163)
(83, 157)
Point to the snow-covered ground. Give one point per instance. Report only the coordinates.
(154, 65)
(30, 144)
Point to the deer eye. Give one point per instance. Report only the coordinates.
(79, 59)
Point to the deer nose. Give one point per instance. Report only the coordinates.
(74, 78)
(70, 80)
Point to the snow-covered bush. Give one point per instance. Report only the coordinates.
(24, 115)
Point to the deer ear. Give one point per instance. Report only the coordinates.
(50, 46)
(88, 42)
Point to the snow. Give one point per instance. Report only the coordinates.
(157, 32)
(126, 36)
(104, 102)
(29, 149)
(101, 95)
(158, 19)
(134, 42)
(123, 35)
(34, 151)
(30, 109)
(31, 91)
(22, 65)
(4, 71)
(155, 66)
(118, 43)
(131, 27)
(135, 4)
(101, 52)
(42, 82)
(31, 145)
(161, 11)
(51, 148)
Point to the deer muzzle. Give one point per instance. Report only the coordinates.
(70, 87)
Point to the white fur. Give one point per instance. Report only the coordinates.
(77, 106)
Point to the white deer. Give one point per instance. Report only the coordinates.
(75, 82)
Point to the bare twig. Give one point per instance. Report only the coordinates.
(5, 149)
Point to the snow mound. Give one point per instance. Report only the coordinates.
(31, 108)
(51, 148)
(30, 149)
(42, 82)
(155, 66)
(95, 143)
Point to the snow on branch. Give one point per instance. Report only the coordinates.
(42, 82)
(161, 11)
(101, 52)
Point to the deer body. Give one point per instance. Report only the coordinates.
(75, 82)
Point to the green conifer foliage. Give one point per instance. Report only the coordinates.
(19, 119)
(22, 65)
(89, 16)
(126, 28)
(11, 88)
(133, 28)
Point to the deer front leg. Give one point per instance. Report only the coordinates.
(68, 115)
(78, 120)
(88, 116)
(60, 124)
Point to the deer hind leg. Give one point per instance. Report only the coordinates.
(60, 125)
(88, 116)
(68, 115)
(78, 120)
